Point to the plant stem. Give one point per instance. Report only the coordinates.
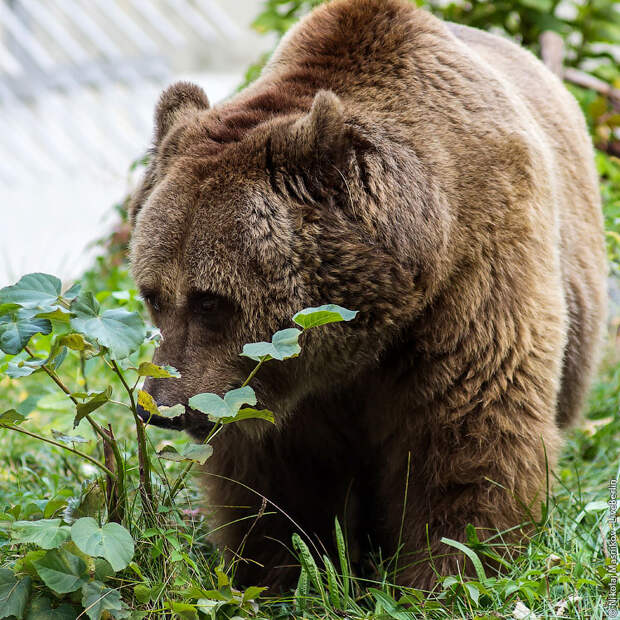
(216, 428)
(56, 379)
(95, 462)
(119, 476)
(115, 501)
(146, 489)
(251, 375)
(179, 481)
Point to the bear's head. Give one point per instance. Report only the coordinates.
(245, 216)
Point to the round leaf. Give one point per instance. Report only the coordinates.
(211, 404)
(259, 351)
(46, 533)
(111, 542)
(18, 327)
(41, 609)
(148, 369)
(330, 313)
(241, 396)
(34, 290)
(118, 330)
(97, 599)
(61, 571)
(286, 343)
(14, 594)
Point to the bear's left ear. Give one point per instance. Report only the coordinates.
(175, 101)
(320, 138)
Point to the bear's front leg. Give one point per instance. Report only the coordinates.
(488, 467)
(295, 479)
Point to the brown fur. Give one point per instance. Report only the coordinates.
(435, 178)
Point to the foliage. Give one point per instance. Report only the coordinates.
(590, 28)
(78, 556)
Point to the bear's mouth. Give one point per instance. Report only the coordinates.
(175, 423)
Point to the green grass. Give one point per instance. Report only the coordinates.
(560, 572)
(562, 568)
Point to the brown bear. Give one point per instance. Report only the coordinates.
(440, 181)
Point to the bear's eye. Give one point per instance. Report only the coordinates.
(209, 304)
(152, 301)
(213, 310)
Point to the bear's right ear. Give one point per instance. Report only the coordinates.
(318, 141)
(175, 101)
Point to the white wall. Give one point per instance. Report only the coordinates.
(66, 153)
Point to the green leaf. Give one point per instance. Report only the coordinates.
(71, 293)
(97, 400)
(596, 506)
(111, 542)
(41, 609)
(59, 314)
(7, 308)
(388, 605)
(46, 533)
(61, 571)
(103, 570)
(250, 414)
(142, 593)
(98, 599)
(241, 396)
(75, 342)
(148, 369)
(195, 453)
(259, 351)
(284, 345)
(252, 593)
(173, 411)
(14, 594)
(18, 327)
(53, 506)
(11, 417)
(544, 6)
(330, 313)
(474, 593)
(118, 330)
(475, 560)
(184, 611)
(226, 407)
(23, 368)
(68, 439)
(147, 402)
(34, 290)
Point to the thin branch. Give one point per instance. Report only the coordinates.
(585, 80)
(251, 376)
(95, 462)
(56, 379)
(552, 54)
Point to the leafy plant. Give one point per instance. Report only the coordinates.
(77, 557)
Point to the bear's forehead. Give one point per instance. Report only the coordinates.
(180, 247)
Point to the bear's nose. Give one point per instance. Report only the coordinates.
(177, 423)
